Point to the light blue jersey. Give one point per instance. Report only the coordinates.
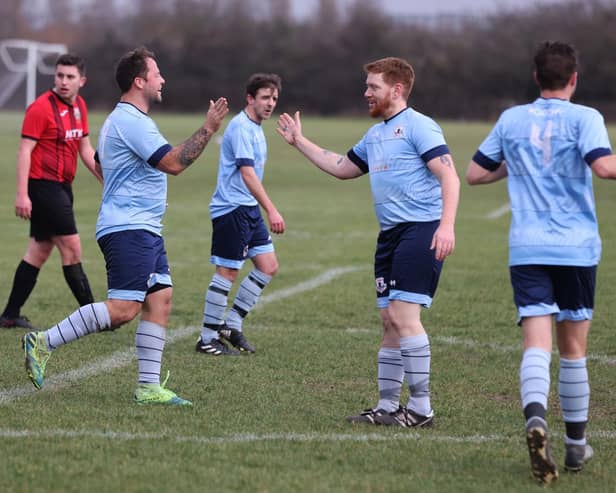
(130, 147)
(395, 153)
(548, 147)
(243, 144)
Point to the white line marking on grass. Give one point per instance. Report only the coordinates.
(501, 348)
(270, 437)
(123, 358)
(501, 211)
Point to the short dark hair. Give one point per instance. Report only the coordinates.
(72, 60)
(555, 63)
(132, 64)
(259, 81)
(395, 71)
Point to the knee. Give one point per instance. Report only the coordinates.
(270, 268)
(122, 312)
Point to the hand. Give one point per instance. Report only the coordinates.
(289, 128)
(276, 222)
(443, 242)
(216, 114)
(23, 206)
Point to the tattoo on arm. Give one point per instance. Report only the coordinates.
(193, 147)
(446, 161)
(338, 161)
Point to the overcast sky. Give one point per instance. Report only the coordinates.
(426, 7)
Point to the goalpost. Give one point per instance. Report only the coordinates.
(23, 59)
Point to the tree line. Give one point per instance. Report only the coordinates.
(467, 67)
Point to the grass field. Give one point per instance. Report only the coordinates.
(274, 422)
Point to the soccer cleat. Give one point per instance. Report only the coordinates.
(37, 353)
(576, 456)
(153, 393)
(542, 465)
(366, 416)
(405, 418)
(236, 338)
(215, 347)
(20, 322)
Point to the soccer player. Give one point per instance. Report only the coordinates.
(54, 131)
(415, 188)
(135, 159)
(238, 230)
(549, 149)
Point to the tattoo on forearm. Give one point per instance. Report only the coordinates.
(340, 159)
(446, 161)
(192, 148)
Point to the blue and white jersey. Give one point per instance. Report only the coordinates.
(548, 147)
(129, 148)
(395, 153)
(243, 144)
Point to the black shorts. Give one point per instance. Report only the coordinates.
(52, 209)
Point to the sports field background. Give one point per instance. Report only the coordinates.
(274, 422)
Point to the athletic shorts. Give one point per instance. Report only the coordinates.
(52, 209)
(136, 263)
(565, 291)
(238, 235)
(405, 269)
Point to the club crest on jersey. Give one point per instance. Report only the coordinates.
(77, 114)
(381, 285)
(399, 132)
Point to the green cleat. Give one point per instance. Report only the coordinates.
(37, 353)
(153, 393)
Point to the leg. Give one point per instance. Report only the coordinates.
(24, 281)
(69, 247)
(214, 313)
(574, 391)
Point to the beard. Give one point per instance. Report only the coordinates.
(379, 108)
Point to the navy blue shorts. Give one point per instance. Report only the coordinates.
(238, 235)
(52, 209)
(405, 268)
(136, 263)
(565, 291)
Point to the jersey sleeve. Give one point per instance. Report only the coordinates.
(593, 139)
(83, 110)
(490, 153)
(35, 122)
(428, 139)
(243, 150)
(359, 155)
(147, 142)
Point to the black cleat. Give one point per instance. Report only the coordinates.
(543, 466)
(367, 416)
(236, 338)
(405, 418)
(214, 347)
(20, 322)
(576, 456)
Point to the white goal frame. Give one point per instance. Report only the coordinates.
(34, 62)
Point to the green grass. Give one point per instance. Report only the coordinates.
(274, 422)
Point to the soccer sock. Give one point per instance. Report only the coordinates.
(390, 378)
(247, 296)
(23, 284)
(78, 282)
(86, 320)
(574, 394)
(150, 342)
(215, 306)
(535, 378)
(415, 352)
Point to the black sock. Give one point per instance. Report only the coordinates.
(534, 409)
(78, 282)
(23, 284)
(575, 431)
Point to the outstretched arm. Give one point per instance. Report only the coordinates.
(478, 175)
(340, 166)
(183, 155)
